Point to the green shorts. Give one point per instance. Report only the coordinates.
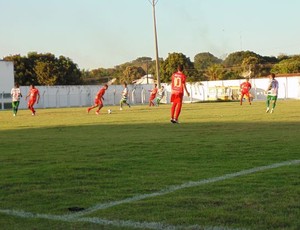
(270, 97)
(123, 100)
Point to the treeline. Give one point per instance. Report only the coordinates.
(46, 69)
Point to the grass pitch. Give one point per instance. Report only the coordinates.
(64, 158)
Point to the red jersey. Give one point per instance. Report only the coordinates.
(100, 93)
(33, 94)
(154, 92)
(245, 86)
(178, 82)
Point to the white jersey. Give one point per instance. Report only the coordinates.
(273, 88)
(15, 94)
(160, 94)
(125, 93)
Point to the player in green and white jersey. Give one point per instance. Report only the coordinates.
(272, 93)
(16, 95)
(160, 95)
(124, 96)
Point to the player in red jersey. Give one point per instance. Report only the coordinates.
(98, 99)
(34, 96)
(153, 95)
(245, 90)
(177, 89)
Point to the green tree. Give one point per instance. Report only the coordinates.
(290, 65)
(23, 69)
(204, 60)
(214, 72)
(132, 73)
(239, 63)
(45, 69)
(46, 74)
(237, 58)
(169, 66)
(68, 72)
(250, 66)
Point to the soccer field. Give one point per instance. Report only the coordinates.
(225, 166)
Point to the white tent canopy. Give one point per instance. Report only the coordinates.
(146, 79)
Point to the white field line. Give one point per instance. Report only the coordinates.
(149, 225)
(174, 188)
(117, 223)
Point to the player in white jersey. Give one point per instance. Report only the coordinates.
(16, 95)
(272, 93)
(160, 95)
(124, 96)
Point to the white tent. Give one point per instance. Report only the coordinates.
(146, 79)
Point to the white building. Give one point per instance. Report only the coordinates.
(6, 81)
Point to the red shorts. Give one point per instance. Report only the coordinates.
(152, 97)
(245, 93)
(98, 101)
(31, 102)
(177, 98)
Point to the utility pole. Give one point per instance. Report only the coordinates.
(153, 3)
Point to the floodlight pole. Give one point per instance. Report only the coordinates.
(153, 3)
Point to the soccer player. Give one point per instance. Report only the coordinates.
(34, 96)
(160, 95)
(153, 93)
(178, 86)
(124, 96)
(98, 100)
(245, 90)
(16, 95)
(272, 93)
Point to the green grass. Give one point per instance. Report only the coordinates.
(64, 158)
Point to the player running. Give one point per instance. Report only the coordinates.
(177, 89)
(153, 93)
(160, 95)
(98, 100)
(34, 96)
(245, 90)
(124, 96)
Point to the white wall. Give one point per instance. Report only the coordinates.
(6, 76)
(83, 96)
(289, 88)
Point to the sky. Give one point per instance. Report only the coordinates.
(107, 33)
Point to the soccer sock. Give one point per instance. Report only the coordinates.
(17, 107)
(178, 110)
(32, 109)
(14, 108)
(173, 110)
(268, 103)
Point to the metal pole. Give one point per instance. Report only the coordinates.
(156, 44)
(147, 73)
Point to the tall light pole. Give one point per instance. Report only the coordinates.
(153, 3)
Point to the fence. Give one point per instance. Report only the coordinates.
(78, 96)
(81, 96)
